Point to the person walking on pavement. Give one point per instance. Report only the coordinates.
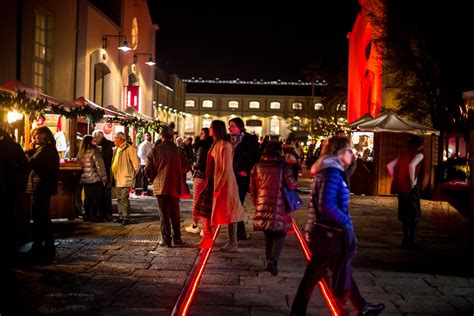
(144, 149)
(165, 166)
(93, 178)
(407, 171)
(329, 204)
(218, 204)
(246, 154)
(124, 168)
(271, 215)
(42, 184)
(106, 150)
(202, 146)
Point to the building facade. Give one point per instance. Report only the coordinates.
(275, 115)
(69, 49)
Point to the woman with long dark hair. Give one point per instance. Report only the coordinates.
(42, 184)
(93, 178)
(218, 203)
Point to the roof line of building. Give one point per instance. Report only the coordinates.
(255, 82)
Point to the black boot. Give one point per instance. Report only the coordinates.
(370, 309)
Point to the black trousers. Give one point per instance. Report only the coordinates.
(106, 202)
(42, 227)
(170, 217)
(144, 179)
(93, 198)
(241, 231)
(314, 272)
(273, 244)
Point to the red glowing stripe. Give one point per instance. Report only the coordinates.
(205, 253)
(322, 284)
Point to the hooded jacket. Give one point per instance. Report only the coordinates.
(329, 194)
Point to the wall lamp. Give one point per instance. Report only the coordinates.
(124, 47)
(150, 61)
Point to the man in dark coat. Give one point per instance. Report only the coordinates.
(164, 167)
(246, 154)
(107, 154)
(13, 174)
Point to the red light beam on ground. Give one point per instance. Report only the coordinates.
(184, 301)
(322, 284)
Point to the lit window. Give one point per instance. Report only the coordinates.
(297, 106)
(206, 122)
(190, 103)
(42, 52)
(274, 126)
(189, 124)
(207, 104)
(233, 104)
(275, 105)
(318, 106)
(343, 107)
(254, 105)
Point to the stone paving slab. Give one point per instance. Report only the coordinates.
(108, 269)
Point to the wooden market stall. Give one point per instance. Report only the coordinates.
(390, 138)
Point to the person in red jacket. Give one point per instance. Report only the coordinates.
(407, 171)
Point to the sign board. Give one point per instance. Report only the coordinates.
(133, 97)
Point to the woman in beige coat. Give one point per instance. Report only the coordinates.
(218, 203)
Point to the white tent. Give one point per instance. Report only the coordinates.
(391, 122)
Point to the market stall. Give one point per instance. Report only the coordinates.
(389, 134)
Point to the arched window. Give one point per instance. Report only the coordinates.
(207, 104)
(206, 122)
(275, 105)
(189, 124)
(190, 103)
(254, 105)
(100, 73)
(343, 107)
(297, 106)
(318, 106)
(233, 104)
(274, 126)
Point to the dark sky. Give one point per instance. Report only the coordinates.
(248, 43)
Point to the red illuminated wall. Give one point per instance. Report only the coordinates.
(365, 70)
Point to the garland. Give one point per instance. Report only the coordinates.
(37, 108)
(138, 123)
(93, 115)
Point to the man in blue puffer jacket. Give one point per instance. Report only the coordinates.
(329, 205)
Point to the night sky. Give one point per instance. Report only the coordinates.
(249, 43)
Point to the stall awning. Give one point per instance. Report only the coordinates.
(14, 86)
(362, 119)
(81, 101)
(391, 122)
(132, 111)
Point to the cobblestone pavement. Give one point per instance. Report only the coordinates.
(106, 268)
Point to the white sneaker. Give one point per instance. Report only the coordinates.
(191, 229)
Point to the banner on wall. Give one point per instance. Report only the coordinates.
(133, 97)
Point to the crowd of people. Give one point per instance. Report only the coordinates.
(224, 159)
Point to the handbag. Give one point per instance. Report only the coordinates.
(293, 200)
(327, 240)
(184, 192)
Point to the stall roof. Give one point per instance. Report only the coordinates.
(81, 101)
(391, 122)
(361, 119)
(132, 111)
(13, 86)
